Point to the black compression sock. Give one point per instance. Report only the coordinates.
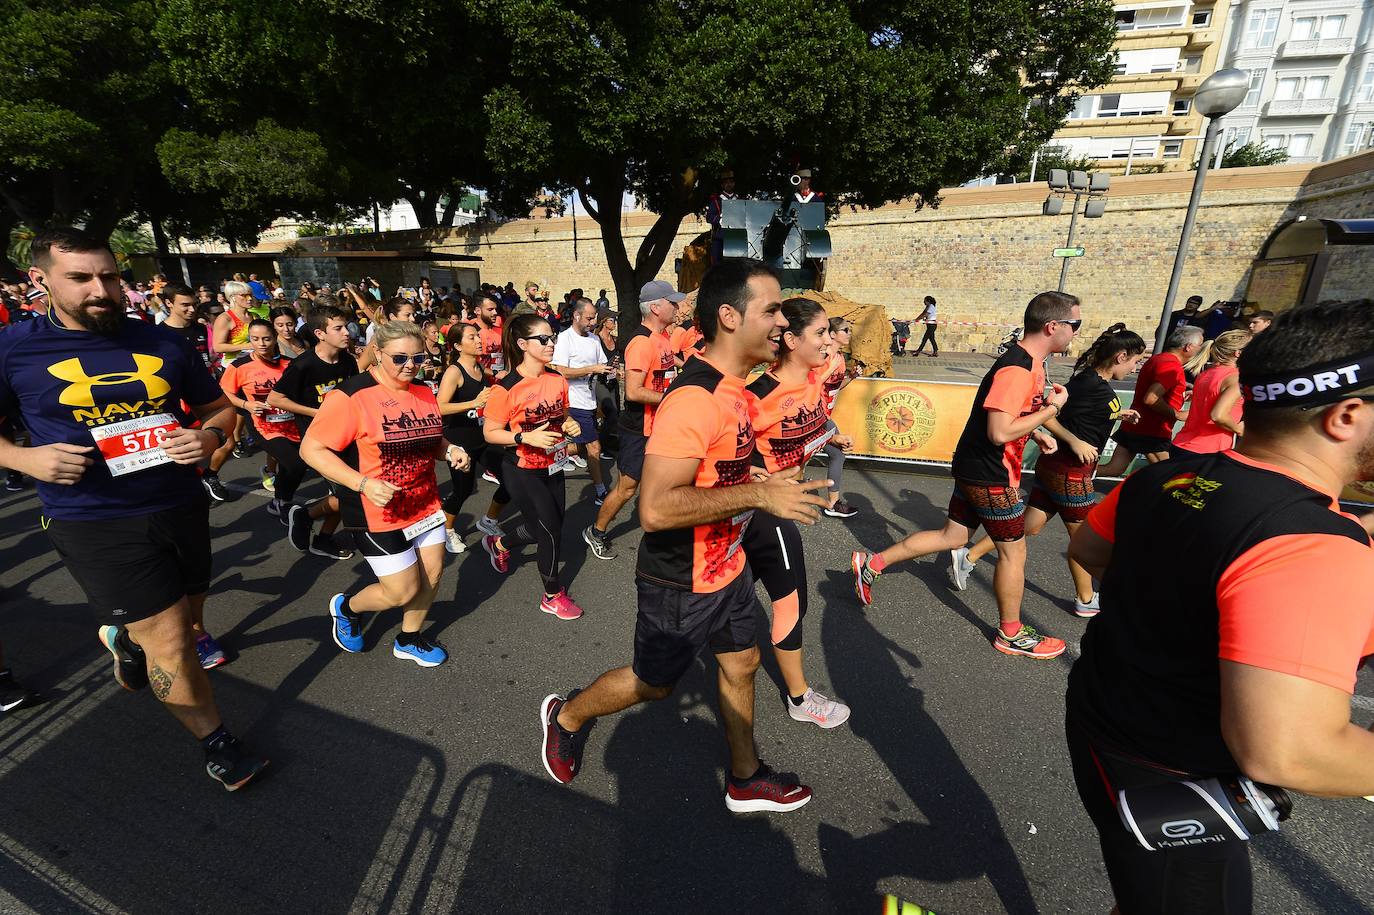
(797, 700)
(348, 606)
(598, 533)
(407, 638)
(214, 738)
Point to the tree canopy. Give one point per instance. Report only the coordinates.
(214, 116)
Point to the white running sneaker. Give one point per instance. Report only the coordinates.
(455, 542)
(960, 568)
(490, 478)
(1088, 610)
(819, 710)
(578, 461)
(490, 526)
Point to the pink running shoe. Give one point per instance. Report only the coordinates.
(500, 556)
(561, 606)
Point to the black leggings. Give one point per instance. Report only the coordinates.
(482, 457)
(774, 549)
(542, 499)
(929, 338)
(290, 468)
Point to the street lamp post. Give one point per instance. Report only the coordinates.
(1080, 184)
(1217, 97)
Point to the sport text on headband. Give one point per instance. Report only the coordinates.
(1310, 387)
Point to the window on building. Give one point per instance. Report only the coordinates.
(1332, 27)
(1366, 91)
(1237, 136)
(1316, 87)
(1357, 136)
(1182, 106)
(1302, 87)
(1173, 149)
(1083, 108)
(1108, 105)
(1252, 96)
(1125, 19)
(1202, 19)
(1274, 141)
(1260, 29)
(1299, 144)
(1120, 65)
(1287, 88)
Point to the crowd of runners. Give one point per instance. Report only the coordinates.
(1235, 665)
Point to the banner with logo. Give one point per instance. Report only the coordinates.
(921, 421)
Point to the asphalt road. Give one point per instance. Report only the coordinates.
(399, 789)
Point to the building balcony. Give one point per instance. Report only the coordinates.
(1316, 47)
(1165, 81)
(1299, 107)
(1203, 38)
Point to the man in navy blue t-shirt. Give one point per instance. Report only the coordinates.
(110, 404)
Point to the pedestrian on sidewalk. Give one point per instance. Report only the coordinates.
(928, 318)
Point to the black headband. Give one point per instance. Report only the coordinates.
(1310, 387)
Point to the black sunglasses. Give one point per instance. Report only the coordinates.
(544, 339)
(401, 359)
(1075, 323)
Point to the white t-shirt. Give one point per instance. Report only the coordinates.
(576, 351)
(928, 314)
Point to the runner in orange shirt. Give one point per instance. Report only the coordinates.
(791, 427)
(693, 585)
(649, 369)
(835, 376)
(377, 436)
(527, 414)
(247, 382)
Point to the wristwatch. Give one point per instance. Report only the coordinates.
(219, 434)
(519, 438)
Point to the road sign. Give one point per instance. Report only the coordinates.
(1068, 252)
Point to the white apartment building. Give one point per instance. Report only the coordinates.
(1311, 67)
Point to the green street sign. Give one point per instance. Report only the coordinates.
(1068, 252)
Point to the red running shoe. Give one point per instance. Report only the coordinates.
(500, 556)
(561, 606)
(562, 754)
(766, 790)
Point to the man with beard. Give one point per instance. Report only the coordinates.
(1236, 661)
(115, 461)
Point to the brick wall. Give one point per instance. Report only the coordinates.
(985, 251)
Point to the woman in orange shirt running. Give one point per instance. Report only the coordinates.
(377, 436)
(1215, 419)
(835, 375)
(527, 414)
(791, 424)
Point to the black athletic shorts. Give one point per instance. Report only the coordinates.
(1141, 444)
(673, 626)
(630, 458)
(134, 568)
(1204, 878)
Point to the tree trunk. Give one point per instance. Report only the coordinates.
(422, 203)
(159, 235)
(446, 220)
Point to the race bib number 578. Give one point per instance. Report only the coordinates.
(134, 444)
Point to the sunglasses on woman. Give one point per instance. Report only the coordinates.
(544, 339)
(400, 359)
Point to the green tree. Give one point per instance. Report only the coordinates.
(887, 100)
(1250, 154)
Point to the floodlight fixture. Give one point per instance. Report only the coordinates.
(1095, 207)
(1054, 205)
(1100, 183)
(1059, 179)
(1078, 181)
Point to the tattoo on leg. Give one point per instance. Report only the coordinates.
(161, 681)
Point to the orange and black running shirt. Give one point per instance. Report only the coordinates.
(707, 417)
(1014, 385)
(790, 421)
(684, 341)
(833, 374)
(253, 379)
(1216, 557)
(651, 355)
(384, 435)
(523, 404)
(492, 358)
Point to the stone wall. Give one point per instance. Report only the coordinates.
(985, 251)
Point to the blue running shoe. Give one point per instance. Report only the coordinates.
(209, 652)
(422, 651)
(348, 627)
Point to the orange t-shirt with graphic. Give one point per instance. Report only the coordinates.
(832, 375)
(523, 404)
(253, 379)
(384, 435)
(650, 354)
(707, 417)
(492, 358)
(790, 420)
(683, 341)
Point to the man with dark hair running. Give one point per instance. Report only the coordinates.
(115, 459)
(1267, 616)
(1009, 408)
(694, 587)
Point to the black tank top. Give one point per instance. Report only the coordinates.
(461, 425)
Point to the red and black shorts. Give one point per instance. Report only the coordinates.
(999, 509)
(1064, 488)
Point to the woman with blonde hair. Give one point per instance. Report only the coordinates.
(1215, 418)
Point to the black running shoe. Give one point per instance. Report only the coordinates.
(13, 696)
(130, 663)
(298, 525)
(328, 546)
(229, 763)
(14, 481)
(215, 488)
